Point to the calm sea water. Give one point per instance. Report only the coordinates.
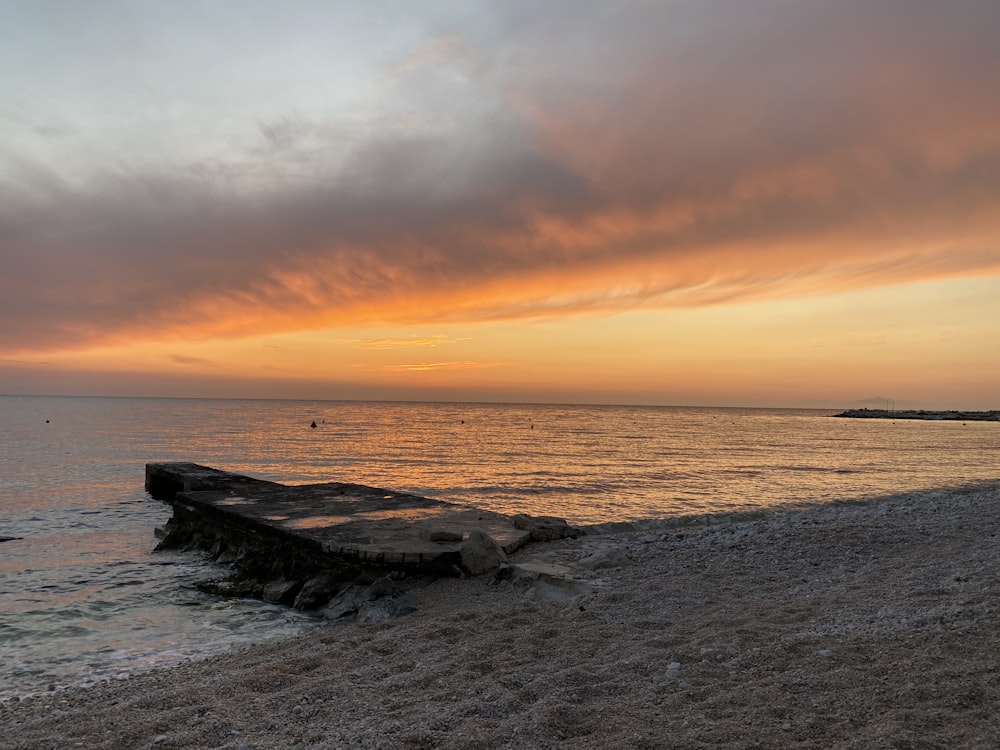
(84, 598)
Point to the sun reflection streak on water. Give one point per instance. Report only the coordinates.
(593, 464)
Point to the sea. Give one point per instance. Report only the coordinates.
(84, 597)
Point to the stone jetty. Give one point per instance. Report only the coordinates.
(937, 416)
(332, 546)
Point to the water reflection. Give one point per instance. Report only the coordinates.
(83, 592)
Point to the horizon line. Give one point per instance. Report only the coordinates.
(852, 405)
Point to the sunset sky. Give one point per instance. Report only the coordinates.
(715, 202)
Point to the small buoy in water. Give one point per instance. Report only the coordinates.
(46, 421)
(313, 425)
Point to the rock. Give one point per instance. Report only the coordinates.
(528, 573)
(385, 599)
(673, 670)
(548, 582)
(315, 591)
(279, 591)
(481, 553)
(546, 528)
(234, 587)
(348, 602)
(565, 591)
(382, 610)
(609, 557)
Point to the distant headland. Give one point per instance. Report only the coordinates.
(959, 416)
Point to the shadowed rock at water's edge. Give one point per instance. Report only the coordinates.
(344, 549)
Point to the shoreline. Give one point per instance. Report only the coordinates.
(847, 625)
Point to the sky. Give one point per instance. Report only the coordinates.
(688, 202)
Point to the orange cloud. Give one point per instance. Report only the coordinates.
(183, 359)
(400, 343)
(431, 366)
(652, 156)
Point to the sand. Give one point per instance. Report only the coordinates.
(849, 626)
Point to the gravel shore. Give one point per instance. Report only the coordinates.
(871, 625)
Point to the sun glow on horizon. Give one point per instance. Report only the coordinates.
(799, 352)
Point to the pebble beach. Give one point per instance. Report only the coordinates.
(850, 625)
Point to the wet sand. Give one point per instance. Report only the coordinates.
(849, 626)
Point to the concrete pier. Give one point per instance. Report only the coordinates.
(300, 544)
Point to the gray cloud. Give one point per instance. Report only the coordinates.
(643, 154)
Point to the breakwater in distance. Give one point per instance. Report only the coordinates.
(951, 415)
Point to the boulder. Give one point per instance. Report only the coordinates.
(382, 600)
(526, 574)
(546, 528)
(481, 553)
(545, 582)
(280, 591)
(316, 591)
(346, 603)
